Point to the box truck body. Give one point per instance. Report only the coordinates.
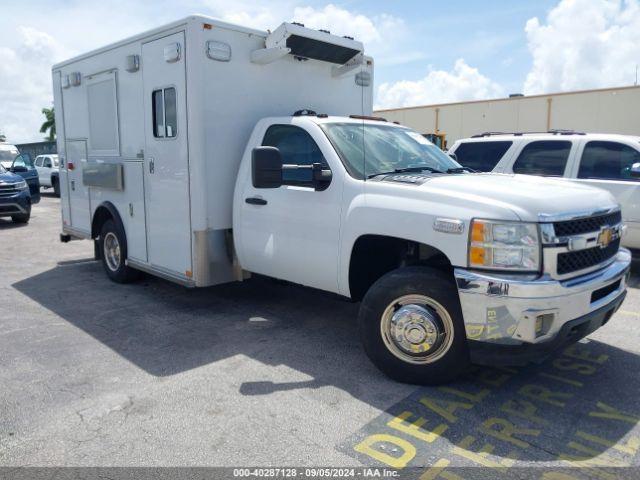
(156, 125)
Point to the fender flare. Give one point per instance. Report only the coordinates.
(104, 209)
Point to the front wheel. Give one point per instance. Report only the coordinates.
(411, 326)
(112, 246)
(21, 217)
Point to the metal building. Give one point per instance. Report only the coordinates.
(609, 110)
(37, 148)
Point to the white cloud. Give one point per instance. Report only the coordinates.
(339, 22)
(25, 75)
(439, 86)
(584, 44)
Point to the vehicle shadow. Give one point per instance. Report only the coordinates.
(6, 223)
(166, 329)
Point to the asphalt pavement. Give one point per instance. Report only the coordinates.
(265, 373)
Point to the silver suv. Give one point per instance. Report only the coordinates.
(607, 161)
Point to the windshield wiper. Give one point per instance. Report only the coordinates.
(461, 170)
(407, 170)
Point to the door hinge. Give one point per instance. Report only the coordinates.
(151, 165)
(131, 209)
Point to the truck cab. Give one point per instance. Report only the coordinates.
(450, 266)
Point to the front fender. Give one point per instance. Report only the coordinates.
(408, 213)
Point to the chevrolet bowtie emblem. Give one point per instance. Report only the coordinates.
(606, 236)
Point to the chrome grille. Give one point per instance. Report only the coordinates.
(586, 225)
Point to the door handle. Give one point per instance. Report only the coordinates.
(255, 201)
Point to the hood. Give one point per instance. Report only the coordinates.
(9, 177)
(527, 196)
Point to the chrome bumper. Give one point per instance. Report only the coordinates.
(507, 310)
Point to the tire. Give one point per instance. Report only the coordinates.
(113, 253)
(55, 183)
(21, 218)
(411, 326)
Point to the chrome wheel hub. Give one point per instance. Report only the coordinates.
(112, 251)
(417, 329)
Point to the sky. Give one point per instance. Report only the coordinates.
(425, 51)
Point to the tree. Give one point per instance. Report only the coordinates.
(49, 124)
(3, 137)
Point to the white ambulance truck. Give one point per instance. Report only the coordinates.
(203, 151)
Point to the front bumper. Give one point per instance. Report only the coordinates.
(509, 320)
(19, 203)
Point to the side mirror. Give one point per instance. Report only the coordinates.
(635, 170)
(266, 167)
(321, 178)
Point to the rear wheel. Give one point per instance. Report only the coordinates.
(411, 326)
(55, 183)
(113, 252)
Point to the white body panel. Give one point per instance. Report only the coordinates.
(626, 192)
(166, 162)
(183, 211)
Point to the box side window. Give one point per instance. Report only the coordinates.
(481, 156)
(296, 147)
(165, 114)
(545, 158)
(608, 161)
(103, 115)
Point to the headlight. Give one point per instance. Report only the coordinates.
(504, 246)
(22, 185)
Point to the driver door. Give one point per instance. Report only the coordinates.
(292, 232)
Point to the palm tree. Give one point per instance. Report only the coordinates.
(49, 124)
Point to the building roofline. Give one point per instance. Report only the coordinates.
(524, 97)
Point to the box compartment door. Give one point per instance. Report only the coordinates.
(166, 166)
(77, 192)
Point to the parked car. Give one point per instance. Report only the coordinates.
(15, 198)
(449, 266)
(48, 172)
(21, 164)
(607, 161)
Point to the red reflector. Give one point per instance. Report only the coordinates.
(70, 166)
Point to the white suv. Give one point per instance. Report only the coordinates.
(607, 161)
(47, 167)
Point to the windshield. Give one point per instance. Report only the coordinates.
(7, 156)
(368, 150)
